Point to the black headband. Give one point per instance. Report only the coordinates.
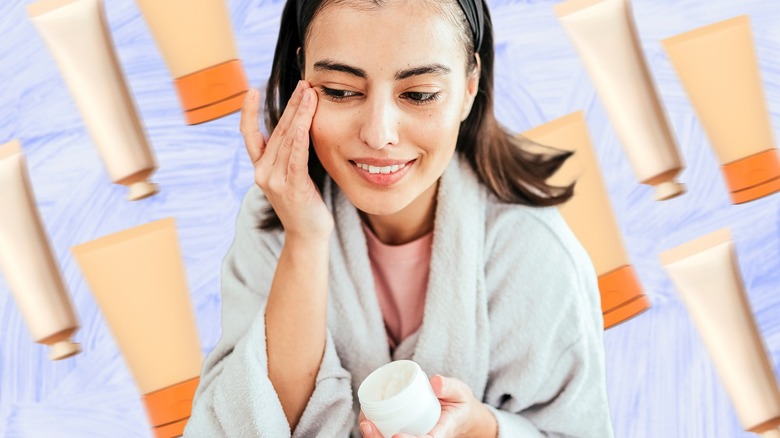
(472, 8)
(475, 15)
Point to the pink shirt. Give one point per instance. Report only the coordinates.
(401, 279)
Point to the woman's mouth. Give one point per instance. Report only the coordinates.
(383, 176)
(383, 170)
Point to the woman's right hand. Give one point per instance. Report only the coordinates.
(281, 165)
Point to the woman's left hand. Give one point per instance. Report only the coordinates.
(462, 415)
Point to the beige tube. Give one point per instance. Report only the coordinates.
(77, 35)
(718, 68)
(138, 280)
(604, 34)
(589, 215)
(196, 40)
(706, 275)
(27, 262)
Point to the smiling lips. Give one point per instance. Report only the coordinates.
(383, 173)
(384, 170)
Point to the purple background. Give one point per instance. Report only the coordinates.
(661, 381)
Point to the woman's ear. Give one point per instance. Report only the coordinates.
(472, 87)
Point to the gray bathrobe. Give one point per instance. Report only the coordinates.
(512, 309)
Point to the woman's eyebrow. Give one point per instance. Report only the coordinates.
(328, 65)
(430, 69)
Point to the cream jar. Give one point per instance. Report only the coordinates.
(398, 398)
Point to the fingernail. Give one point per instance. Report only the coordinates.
(365, 428)
(306, 96)
(250, 94)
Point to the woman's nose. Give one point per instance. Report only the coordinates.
(380, 124)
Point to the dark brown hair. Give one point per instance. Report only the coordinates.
(503, 162)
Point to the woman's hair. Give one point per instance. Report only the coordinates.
(502, 161)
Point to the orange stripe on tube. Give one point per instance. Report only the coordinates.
(212, 92)
(169, 408)
(621, 296)
(753, 177)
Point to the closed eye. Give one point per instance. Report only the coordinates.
(338, 95)
(414, 97)
(420, 98)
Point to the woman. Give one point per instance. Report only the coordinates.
(392, 218)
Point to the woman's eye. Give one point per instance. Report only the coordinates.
(334, 94)
(415, 97)
(418, 97)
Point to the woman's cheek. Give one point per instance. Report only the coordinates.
(318, 132)
(326, 126)
(435, 125)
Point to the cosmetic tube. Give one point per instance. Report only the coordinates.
(718, 67)
(398, 398)
(139, 283)
(706, 275)
(26, 259)
(77, 34)
(196, 41)
(604, 34)
(589, 215)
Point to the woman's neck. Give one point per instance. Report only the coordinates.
(411, 223)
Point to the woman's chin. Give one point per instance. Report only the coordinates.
(378, 206)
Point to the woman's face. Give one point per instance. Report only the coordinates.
(393, 90)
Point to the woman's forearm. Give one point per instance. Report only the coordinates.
(295, 321)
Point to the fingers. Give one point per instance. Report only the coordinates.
(298, 166)
(292, 158)
(292, 107)
(253, 138)
(446, 424)
(368, 430)
(450, 389)
(282, 128)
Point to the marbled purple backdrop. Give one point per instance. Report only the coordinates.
(662, 383)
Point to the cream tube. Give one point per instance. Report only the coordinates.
(706, 275)
(196, 40)
(77, 35)
(589, 215)
(27, 262)
(138, 280)
(604, 34)
(718, 68)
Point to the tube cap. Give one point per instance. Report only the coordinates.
(169, 408)
(668, 190)
(141, 190)
(175, 429)
(213, 92)
(753, 177)
(63, 350)
(621, 296)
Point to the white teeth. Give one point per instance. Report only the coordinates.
(383, 170)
